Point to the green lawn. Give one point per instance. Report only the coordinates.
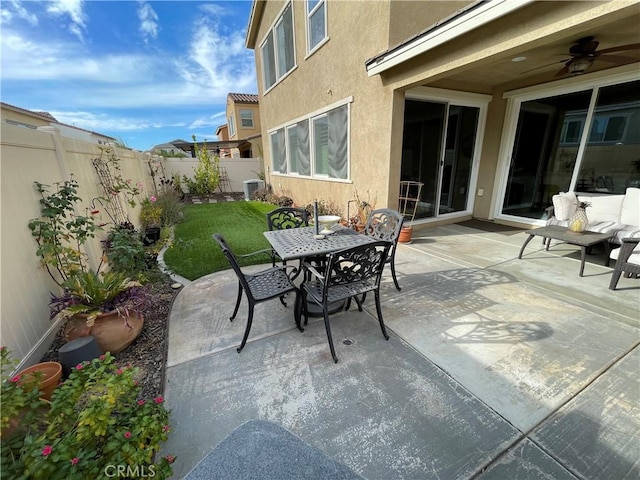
(194, 253)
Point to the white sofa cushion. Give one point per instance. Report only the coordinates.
(630, 212)
(564, 205)
(605, 208)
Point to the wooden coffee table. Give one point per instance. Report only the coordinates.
(585, 240)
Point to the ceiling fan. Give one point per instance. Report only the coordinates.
(585, 51)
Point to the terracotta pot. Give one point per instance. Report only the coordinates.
(49, 378)
(405, 235)
(112, 332)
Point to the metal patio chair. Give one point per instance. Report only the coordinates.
(349, 273)
(283, 218)
(259, 287)
(385, 224)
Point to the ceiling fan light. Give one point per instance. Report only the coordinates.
(579, 66)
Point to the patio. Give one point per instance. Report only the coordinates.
(496, 367)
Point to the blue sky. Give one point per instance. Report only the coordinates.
(144, 72)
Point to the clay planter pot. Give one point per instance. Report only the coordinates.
(51, 372)
(113, 333)
(405, 235)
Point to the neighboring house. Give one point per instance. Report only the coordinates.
(493, 106)
(243, 121)
(169, 149)
(26, 118)
(222, 132)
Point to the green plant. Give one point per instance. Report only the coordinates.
(91, 293)
(61, 232)
(150, 213)
(125, 252)
(206, 175)
(168, 201)
(96, 424)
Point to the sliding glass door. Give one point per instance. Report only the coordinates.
(584, 141)
(438, 150)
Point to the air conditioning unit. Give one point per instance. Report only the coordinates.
(250, 186)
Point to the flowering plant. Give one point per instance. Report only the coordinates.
(151, 213)
(60, 233)
(95, 427)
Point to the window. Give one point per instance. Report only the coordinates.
(246, 118)
(608, 128)
(232, 126)
(316, 146)
(572, 130)
(278, 54)
(316, 23)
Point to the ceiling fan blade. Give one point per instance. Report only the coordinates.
(545, 66)
(563, 71)
(616, 58)
(620, 48)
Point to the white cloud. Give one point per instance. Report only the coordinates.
(102, 121)
(148, 21)
(13, 9)
(213, 9)
(209, 121)
(74, 9)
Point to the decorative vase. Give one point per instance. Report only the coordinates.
(113, 332)
(578, 221)
(406, 234)
(46, 382)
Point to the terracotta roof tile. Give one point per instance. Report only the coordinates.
(244, 97)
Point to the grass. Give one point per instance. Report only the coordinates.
(195, 254)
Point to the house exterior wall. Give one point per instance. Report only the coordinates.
(336, 71)
(333, 73)
(406, 18)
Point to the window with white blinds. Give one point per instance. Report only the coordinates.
(314, 147)
(278, 51)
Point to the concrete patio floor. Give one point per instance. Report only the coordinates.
(497, 368)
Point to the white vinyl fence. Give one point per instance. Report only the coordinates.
(45, 156)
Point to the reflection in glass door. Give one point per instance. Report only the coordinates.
(438, 145)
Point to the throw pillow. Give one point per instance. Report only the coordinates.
(564, 205)
(630, 214)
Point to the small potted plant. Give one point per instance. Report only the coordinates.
(151, 220)
(95, 423)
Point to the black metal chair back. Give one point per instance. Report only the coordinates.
(385, 224)
(259, 287)
(287, 217)
(349, 273)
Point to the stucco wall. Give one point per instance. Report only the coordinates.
(333, 73)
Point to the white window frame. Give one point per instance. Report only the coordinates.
(310, 117)
(249, 118)
(322, 4)
(272, 33)
(232, 126)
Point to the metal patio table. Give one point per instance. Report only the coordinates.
(585, 240)
(300, 243)
(295, 243)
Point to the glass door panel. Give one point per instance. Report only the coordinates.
(544, 152)
(460, 141)
(611, 160)
(422, 150)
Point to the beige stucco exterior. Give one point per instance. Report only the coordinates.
(476, 61)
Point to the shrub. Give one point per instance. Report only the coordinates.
(96, 422)
(125, 251)
(169, 202)
(261, 194)
(206, 175)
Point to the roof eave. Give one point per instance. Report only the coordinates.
(459, 24)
